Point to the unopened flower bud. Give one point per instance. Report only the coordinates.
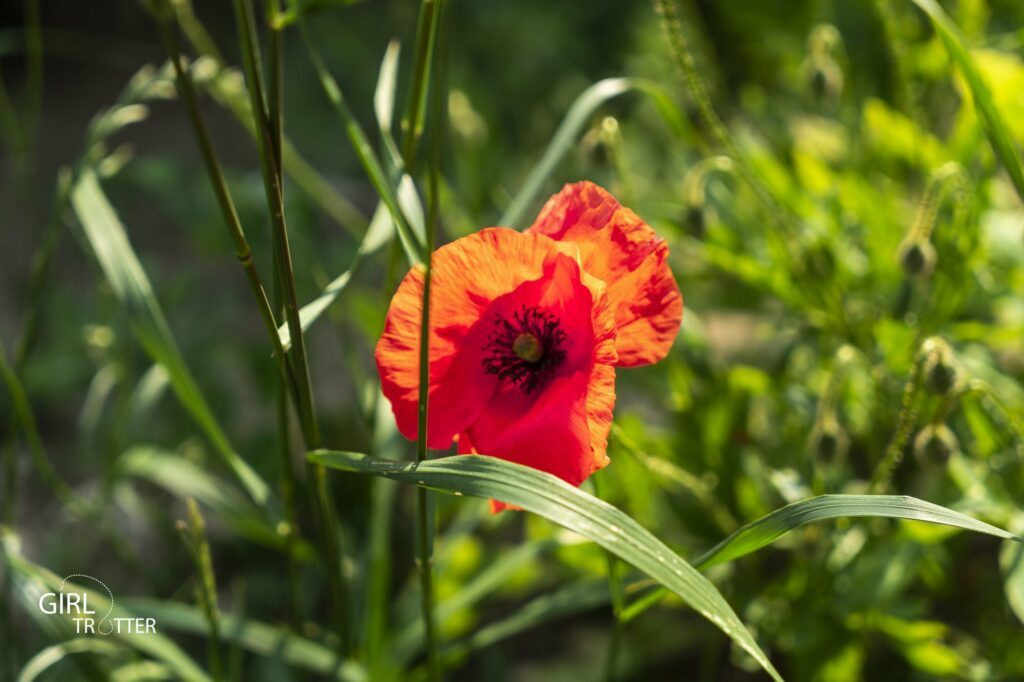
(917, 257)
(935, 444)
(940, 368)
(695, 221)
(828, 441)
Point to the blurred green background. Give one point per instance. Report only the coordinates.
(790, 377)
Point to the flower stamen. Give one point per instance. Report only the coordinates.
(526, 349)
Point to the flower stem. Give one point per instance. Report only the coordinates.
(618, 596)
(425, 523)
(271, 164)
(426, 37)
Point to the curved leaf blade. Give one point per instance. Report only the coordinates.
(998, 134)
(569, 130)
(55, 653)
(770, 528)
(122, 269)
(557, 501)
(262, 639)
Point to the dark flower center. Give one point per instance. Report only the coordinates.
(526, 349)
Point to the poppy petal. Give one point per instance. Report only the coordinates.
(564, 429)
(621, 249)
(469, 276)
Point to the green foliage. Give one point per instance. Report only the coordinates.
(840, 188)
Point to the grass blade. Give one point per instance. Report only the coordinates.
(557, 501)
(32, 581)
(276, 643)
(411, 241)
(410, 639)
(769, 528)
(992, 121)
(378, 234)
(579, 116)
(52, 655)
(131, 287)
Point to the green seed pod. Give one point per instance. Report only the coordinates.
(917, 257)
(940, 368)
(935, 444)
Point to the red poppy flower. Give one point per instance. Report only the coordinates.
(526, 330)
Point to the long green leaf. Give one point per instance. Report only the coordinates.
(412, 241)
(569, 600)
(259, 638)
(54, 654)
(557, 501)
(998, 134)
(132, 288)
(184, 479)
(410, 639)
(378, 234)
(570, 129)
(31, 581)
(770, 528)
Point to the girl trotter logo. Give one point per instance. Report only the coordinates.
(76, 606)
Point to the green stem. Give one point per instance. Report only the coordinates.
(243, 252)
(698, 91)
(361, 144)
(425, 524)
(193, 534)
(412, 121)
(33, 73)
(271, 164)
(230, 215)
(618, 596)
(904, 427)
(29, 427)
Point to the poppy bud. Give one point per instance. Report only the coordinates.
(917, 257)
(829, 441)
(695, 221)
(940, 370)
(825, 80)
(935, 444)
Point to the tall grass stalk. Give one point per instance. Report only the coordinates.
(193, 535)
(289, 484)
(424, 522)
(271, 165)
(618, 597)
(243, 251)
(426, 39)
(187, 91)
(33, 76)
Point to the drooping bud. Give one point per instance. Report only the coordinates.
(935, 444)
(828, 440)
(822, 75)
(917, 256)
(940, 369)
